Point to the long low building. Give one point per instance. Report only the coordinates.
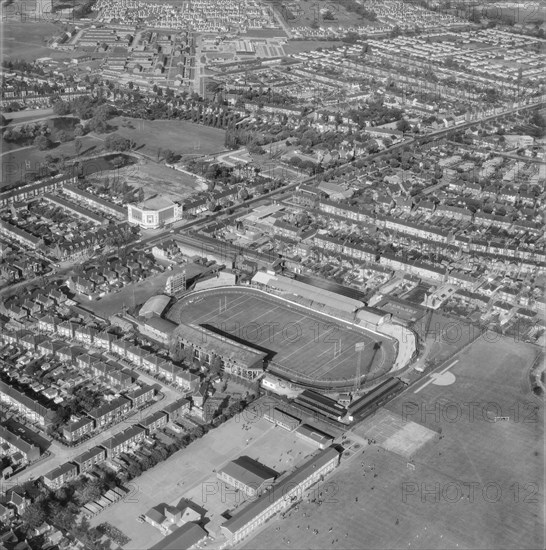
(310, 292)
(19, 235)
(27, 192)
(96, 202)
(26, 406)
(75, 209)
(280, 497)
(283, 419)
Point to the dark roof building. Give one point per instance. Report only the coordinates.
(280, 497)
(248, 475)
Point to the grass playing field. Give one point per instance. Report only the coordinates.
(180, 136)
(20, 162)
(381, 504)
(28, 40)
(309, 345)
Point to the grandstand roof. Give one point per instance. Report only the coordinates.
(155, 305)
(373, 316)
(221, 345)
(316, 294)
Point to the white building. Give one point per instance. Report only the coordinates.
(154, 212)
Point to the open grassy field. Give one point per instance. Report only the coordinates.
(298, 46)
(306, 14)
(156, 178)
(306, 344)
(190, 474)
(22, 161)
(381, 504)
(27, 40)
(180, 136)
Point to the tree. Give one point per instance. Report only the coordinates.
(216, 365)
(77, 146)
(61, 108)
(61, 516)
(42, 142)
(117, 142)
(176, 352)
(169, 156)
(34, 515)
(91, 491)
(63, 136)
(403, 125)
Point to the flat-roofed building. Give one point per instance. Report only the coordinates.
(314, 436)
(283, 419)
(154, 212)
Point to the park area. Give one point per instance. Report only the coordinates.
(190, 473)
(302, 344)
(21, 163)
(180, 136)
(382, 503)
(28, 40)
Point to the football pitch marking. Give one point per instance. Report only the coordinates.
(434, 376)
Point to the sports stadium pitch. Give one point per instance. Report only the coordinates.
(301, 344)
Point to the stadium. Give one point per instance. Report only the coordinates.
(305, 342)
